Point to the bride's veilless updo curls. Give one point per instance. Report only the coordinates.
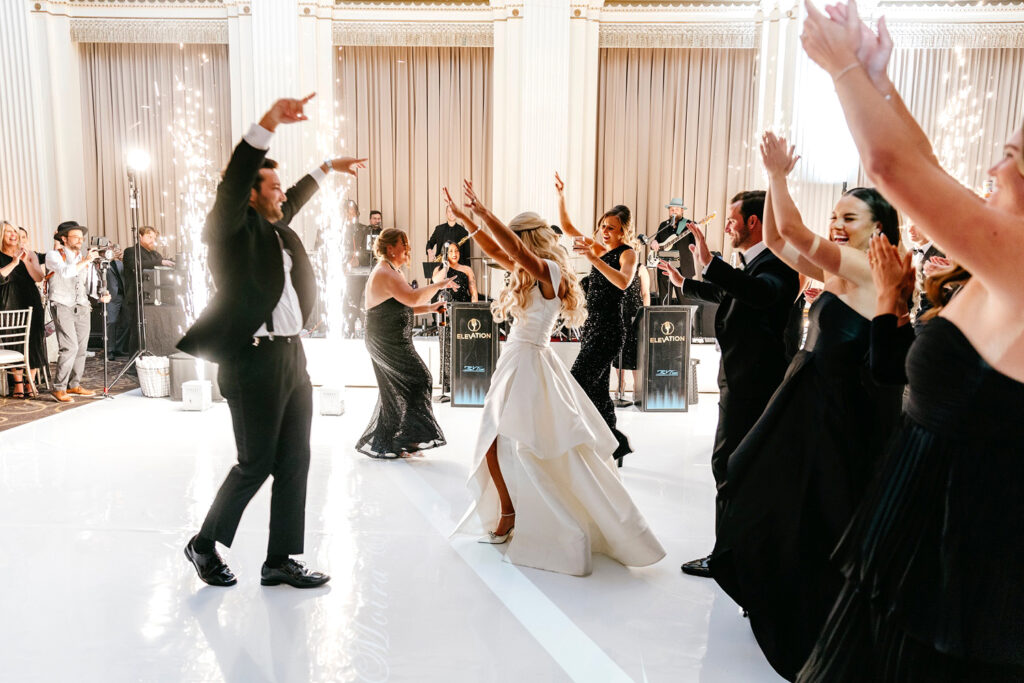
(388, 237)
(537, 236)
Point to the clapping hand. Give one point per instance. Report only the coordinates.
(934, 265)
(833, 43)
(892, 274)
(874, 51)
(673, 273)
(701, 254)
(777, 155)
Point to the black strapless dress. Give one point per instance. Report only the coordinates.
(600, 342)
(403, 421)
(934, 559)
(796, 479)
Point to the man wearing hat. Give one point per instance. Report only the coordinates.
(673, 225)
(69, 306)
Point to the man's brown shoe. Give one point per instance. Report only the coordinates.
(63, 397)
(81, 391)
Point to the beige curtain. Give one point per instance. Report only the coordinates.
(423, 118)
(968, 101)
(143, 96)
(675, 123)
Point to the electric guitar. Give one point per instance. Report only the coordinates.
(652, 258)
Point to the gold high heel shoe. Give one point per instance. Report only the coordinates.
(493, 538)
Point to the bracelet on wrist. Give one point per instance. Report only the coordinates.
(845, 70)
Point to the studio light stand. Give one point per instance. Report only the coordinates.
(138, 160)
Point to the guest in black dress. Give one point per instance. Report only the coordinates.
(636, 296)
(466, 292)
(403, 422)
(20, 269)
(614, 264)
(933, 558)
(796, 479)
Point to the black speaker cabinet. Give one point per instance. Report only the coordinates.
(663, 364)
(474, 354)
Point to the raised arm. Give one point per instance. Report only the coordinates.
(301, 192)
(908, 177)
(779, 158)
(506, 239)
(394, 285)
(563, 213)
(487, 244)
(778, 246)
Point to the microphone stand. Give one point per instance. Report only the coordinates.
(140, 318)
(442, 324)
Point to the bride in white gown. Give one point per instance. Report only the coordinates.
(543, 474)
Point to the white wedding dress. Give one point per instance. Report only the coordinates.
(555, 455)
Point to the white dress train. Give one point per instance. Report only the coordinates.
(555, 455)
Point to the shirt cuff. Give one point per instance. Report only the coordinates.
(704, 270)
(318, 174)
(258, 136)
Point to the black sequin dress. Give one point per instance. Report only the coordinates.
(795, 481)
(600, 341)
(20, 291)
(632, 302)
(460, 295)
(403, 421)
(934, 558)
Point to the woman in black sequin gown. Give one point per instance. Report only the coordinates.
(635, 298)
(933, 557)
(403, 422)
(614, 264)
(466, 292)
(797, 477)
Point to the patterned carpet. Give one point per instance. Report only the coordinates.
(17, 411)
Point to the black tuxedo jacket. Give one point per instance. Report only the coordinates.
(150, 259)
(246, 261)
(753, 308)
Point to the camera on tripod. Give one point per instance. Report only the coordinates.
(107, 249)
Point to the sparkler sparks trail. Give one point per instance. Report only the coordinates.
(332, 226)
(196, 190)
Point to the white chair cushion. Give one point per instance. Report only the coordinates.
(8, 356)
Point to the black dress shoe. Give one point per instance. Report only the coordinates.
(210, 566)
(293, 573)
(698, 567)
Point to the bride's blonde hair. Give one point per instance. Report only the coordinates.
(541, 240)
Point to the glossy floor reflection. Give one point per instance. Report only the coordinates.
(96, 505)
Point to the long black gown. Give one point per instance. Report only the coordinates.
(632, 302)
(795, 481)
(600, 341)
(403, 421)
(933, 559)
(20, 291)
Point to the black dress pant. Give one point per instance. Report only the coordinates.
(271, 402)
(736, 416)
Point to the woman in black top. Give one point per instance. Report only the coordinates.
(466, 292)
(20, 268)
(614, 264)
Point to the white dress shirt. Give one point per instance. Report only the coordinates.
(287, 314)
(67, 286)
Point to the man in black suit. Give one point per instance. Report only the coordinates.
(451, 231)
(754, 302)
(127, 340)
(265, 292)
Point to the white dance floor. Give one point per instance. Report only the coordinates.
(97, 503)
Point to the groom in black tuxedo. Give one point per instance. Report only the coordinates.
(753, 308)
(265, 292)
